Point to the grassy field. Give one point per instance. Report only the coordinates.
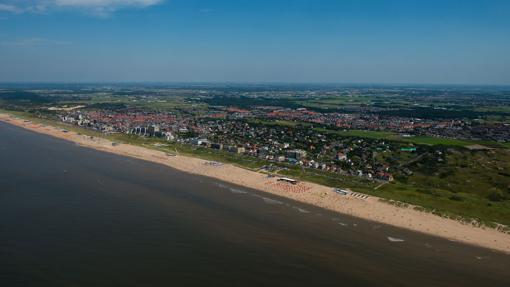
(442, 202)
(358, 133)
(423, 140)
(428, 140)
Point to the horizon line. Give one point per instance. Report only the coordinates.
(276, 83)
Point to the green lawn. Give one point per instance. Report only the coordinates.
(358, 133)
(436, 141)
(424, 140)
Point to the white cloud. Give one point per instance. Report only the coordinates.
(9, 8)
(100, 7)
(106, 3)
(26, 42)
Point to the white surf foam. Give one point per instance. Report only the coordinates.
(238, 191)
(394, 239)
(271, 201)
(301, 210)
(221, 185)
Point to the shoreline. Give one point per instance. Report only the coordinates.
(369, 207)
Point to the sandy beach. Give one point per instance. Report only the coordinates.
(366, 207)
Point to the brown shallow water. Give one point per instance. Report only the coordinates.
(71, 216)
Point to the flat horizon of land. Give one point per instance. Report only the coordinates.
(255, 83)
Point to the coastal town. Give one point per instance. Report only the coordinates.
(297, 136)
(411, 145)
(123, 121)
(238, 131)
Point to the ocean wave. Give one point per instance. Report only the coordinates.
(301, 210)
(394, 239)
(236, 190)
(271, 201)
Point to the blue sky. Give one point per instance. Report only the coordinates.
(342, 41)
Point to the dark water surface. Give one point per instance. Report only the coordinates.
(71, 216)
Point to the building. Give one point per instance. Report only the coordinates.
(169, 136)
(236, 149)
(199, 142)
(289, 180)
(154, 131)
(217, 146)
(341, 156)
(384, 176)
(296, 154)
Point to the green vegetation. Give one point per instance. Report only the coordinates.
(423, 140)
(420, 140)
(446, 203)
(358, 133)
(334, 103)
(440, 141)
